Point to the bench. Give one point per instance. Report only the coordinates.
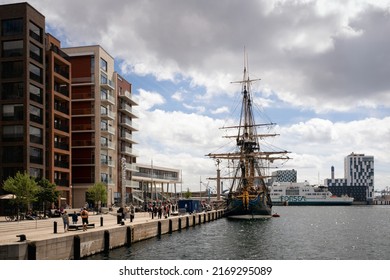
(77, 227)
(22, 237)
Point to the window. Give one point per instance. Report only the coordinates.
(36, 172)
(13, 48)
(36, 135)
(103, 65)
(35, 52)
(35, 32)
(12, 69)
(13, 112)
(36, 155)
(36, 93)
(103, 79)
(103, 125)
(12, 91)
(13, 133)
(35, 73)
(35, 114)
(11, 27)
(103, 110)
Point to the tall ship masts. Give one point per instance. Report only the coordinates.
(248, 195)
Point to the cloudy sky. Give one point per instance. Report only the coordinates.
(324, 69)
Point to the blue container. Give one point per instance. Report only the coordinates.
(190, 205)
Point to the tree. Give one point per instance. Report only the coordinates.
(187, 194)
(23, 187)
(98, 193)
(48, 193)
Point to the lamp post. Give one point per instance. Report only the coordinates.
(123, 190)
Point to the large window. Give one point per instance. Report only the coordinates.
(36, 155)
(13, 48)
(35, 32)
(35, 52)
(11, 27)
(35, 73)
(12, 69)
(36, 93)
(103, 65)
(36, 135)
(35, 114)
(13, 133)
(12, 91)
(12, 112)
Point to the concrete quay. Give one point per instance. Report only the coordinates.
(42, 243)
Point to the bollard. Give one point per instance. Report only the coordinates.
(76, 247)
(55, 227)
(128, 236)
(170, 226)
(31, 251)
(101, 221)
(106, 241)
(159, 229)
(179, 223)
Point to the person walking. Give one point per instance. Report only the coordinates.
(84, 218)
(65, 219)
(75, 218)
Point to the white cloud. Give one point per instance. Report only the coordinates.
(316, 56)
(148, 100)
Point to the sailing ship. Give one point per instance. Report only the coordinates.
(248, 196)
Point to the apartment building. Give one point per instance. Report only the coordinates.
(65, 114)
(58, 119)
(127, 155)
(22, 91)
(102, 125)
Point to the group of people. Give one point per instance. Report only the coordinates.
(159, 210)
(75, 217)
(124, 210)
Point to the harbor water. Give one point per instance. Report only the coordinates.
(300, 233)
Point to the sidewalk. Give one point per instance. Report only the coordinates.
(44, 229)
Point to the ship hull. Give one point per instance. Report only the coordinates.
(257, 209)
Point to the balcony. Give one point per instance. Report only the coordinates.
(61, 164)
(129, 97)
(61, 145)
(127, 137)
(107, 99)
(108, 115)
(129, 124)
(61, 182)
(107, 84)
(107, 130)
(128, 151)
(106, 162)
(108, 145)
(128, 110)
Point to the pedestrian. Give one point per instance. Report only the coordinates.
(65, 219)
(132, 212)
(75, 218)
(159, 212)
(84, 218)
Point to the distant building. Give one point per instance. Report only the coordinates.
(283, 176)
(358, 180)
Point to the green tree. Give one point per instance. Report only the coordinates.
(187, 194)
(24, 188)
(47, 194)
(98, 193)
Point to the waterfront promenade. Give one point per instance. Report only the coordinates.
(44, 229)
(43, 243)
